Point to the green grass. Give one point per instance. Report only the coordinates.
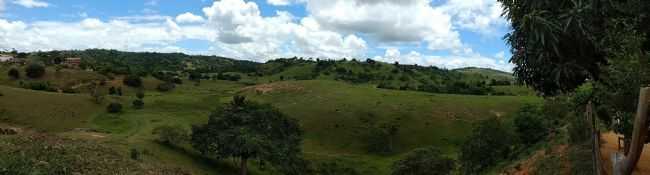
(46, 111)
(328, 111)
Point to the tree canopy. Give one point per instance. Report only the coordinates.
(249, 130)
(558, 45)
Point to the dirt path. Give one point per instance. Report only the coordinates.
(610, 145)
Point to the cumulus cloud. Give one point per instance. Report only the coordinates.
(94, 33)
(481, 16)
(189, 18)
(411, 21)
(243, 32)
(32, 3)
(449, 62)
(236, 28)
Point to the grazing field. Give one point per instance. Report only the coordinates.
(329, 111)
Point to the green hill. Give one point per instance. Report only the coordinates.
(328, 111)
(488, 73)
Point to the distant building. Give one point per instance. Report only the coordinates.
(6, 58)
(72, 62)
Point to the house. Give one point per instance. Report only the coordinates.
(72, 62)
(6, 58)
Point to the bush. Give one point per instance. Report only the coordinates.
(171, 135)
(489, 143)
(132, 80)
(114, 108)
(35, 70)
(424, 161)
(138, 104)
(166, 86)
(530, 125)
(14, 73)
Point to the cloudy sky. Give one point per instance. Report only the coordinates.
(444, 33)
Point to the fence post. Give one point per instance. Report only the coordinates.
(626, 165)
(595, 140)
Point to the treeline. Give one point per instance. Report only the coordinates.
(171, 67)
(144, 63)
(384, 75)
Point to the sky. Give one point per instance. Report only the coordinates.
(444, 33)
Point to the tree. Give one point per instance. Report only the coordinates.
(114, 108)
(489, 143)
(132, 80)
(424, 161)
(14, 73)
(249, 130)
(558, 45)
(35, 70)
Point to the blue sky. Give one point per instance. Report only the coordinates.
(444, 33)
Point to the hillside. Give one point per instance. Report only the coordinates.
(328, 111)
(487, 73)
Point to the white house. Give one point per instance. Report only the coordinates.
(5, 58)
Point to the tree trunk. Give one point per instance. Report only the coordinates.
(627, 165)
(243, 167)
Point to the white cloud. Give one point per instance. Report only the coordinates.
(279, 2)
(94, 33)
(331, 29)
(244, 33)
(284, 2)
(31, 3)
(481, 16)
(449, 62)
(400, 21)
(189, 18)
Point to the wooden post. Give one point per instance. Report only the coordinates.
(627, 164)
(595, 140)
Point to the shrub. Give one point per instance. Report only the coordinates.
(489, 143)
(166, 86)
(14, 73)
(171, 135)
(35, 70)
(138, 104)
(114, 108)
(424, 161)
(132, 80)
(530, 125)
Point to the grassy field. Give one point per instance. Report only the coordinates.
(328, 111)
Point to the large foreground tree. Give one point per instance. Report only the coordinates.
(248, 130)
(557, 45)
